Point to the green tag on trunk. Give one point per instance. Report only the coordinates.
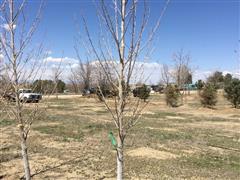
(113, 140)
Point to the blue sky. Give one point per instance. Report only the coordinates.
(208, 29)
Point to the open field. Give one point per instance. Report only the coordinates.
(70, 141)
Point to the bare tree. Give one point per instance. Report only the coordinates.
(166, 74)
(73, 80)
(2, 68)
(84, 69)
(19, 59)
(182, 73)
(56, 74)
(119, 49)
(83, 74)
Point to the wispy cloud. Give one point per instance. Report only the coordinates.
(7, 27)
(147, 72)
(1, 57)
(64, 60)
(49, 52)
(204, 74)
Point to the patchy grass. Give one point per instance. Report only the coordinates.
(235, 116)
(6, 122)
(61, 131)
(163, 135)
(215, 161)
(96, 128)
(218, 119)
(73, 142)
(5, 157)
(101, 111)
(225, 142)
(159, 115)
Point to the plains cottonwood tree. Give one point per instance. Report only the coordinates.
(20, 60)
(120, 47)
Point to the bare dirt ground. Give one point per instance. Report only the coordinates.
(70, 141)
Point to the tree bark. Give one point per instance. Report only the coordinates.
(56, 91)
(120, 107)
(25, 155)
(120, 160)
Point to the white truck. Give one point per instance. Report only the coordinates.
(25, 95)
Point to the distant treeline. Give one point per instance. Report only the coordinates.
(48, 86)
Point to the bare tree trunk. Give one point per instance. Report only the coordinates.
(23, 141)
(56, 91)
(182, 97)
(25, 155)
(22, 138)
(120, 95)
(120, 160)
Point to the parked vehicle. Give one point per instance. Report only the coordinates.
(89, 91)
(25, 95)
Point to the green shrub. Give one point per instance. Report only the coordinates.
(227, 79)
(216, 79)
(172, 95)
(232, 90)
(105, 91)
(208, 96)
(142, 92)
(200, 84)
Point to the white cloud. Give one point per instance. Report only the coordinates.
(200, 74)
(1, 56)
(49, 52)
(75, 65)
(236, 73)
(151, 72)
(64, 60)
(6, 26)
(51, 59)
(54, 62)
(146, 72)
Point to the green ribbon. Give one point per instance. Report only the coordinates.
(113, 140)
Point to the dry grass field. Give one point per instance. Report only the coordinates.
(70, 141)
